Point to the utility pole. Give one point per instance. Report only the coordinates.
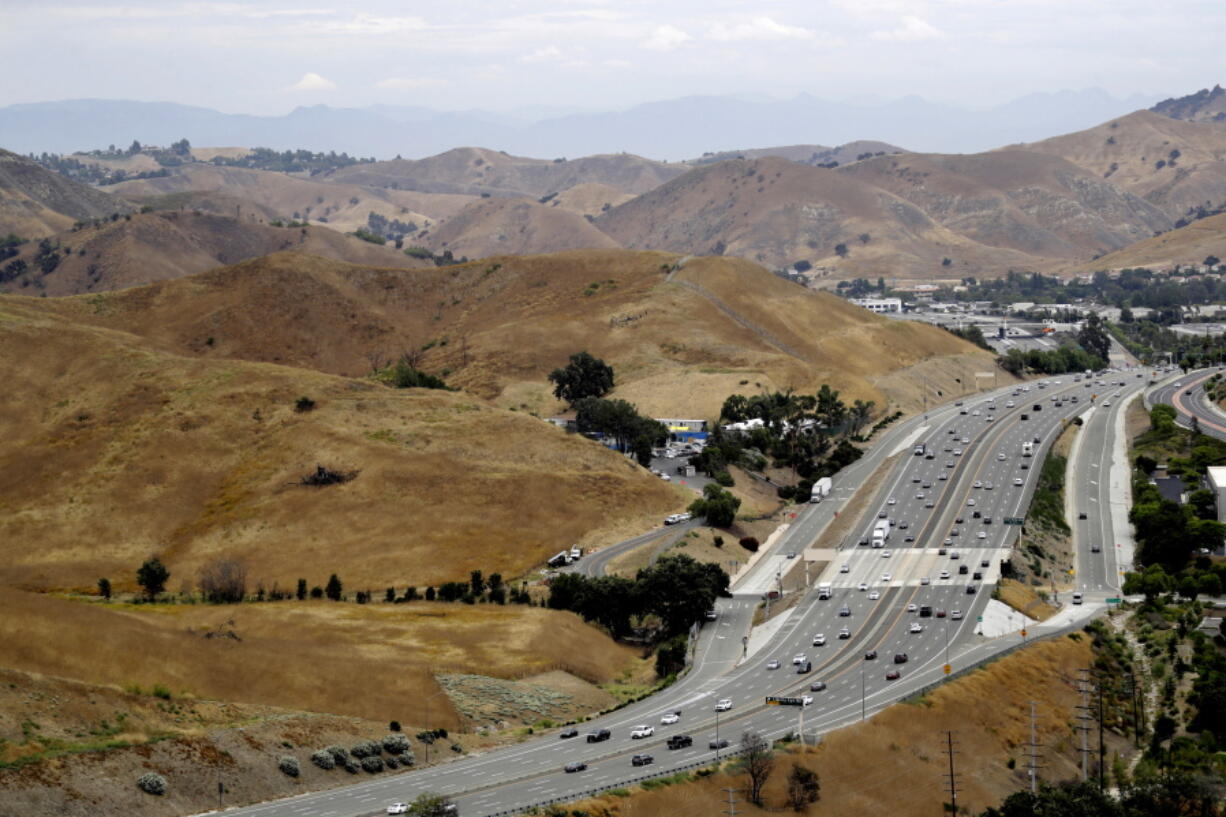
(731, 812)
(953, 779)
(1083, 686)
(1102, 748)
(1033, 754)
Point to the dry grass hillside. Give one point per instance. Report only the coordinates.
(518, 226)
(1185, 245)
(777, 212)
(36, 202)
(344, 206)
(896, 763)
(805, 154)
(680, 343)
(149, 247)
(1174, 165)
(114, 450)
(1206, 105)
(1033, 203)
(474, 171)
(589, 199)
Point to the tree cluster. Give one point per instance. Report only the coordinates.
(1170, 794)
(620, 420)
(583, 377)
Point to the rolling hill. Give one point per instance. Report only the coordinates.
(1187, 245)
(474, 171)
(1174, 165)
(514, 227)
(1033, 203)
(36, 202)
(680, 340)
(805, 154)
(147, 247)
(1206, 105)
(115, 450)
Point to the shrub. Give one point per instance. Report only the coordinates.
(303, 404)
(151, 783)
(323, 759)
(339, 753)
(394, 726)
(396, 743)
(364, 749)
(372, 764)
(288, 764)
(351, 767)
(750, 543)
(390, 762)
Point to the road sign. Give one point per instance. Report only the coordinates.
(1114, 601)
(948, 669)
(1015, 520)
(979, 619)
(1023, 633)
(772, 700)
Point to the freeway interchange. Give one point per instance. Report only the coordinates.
(937, 498)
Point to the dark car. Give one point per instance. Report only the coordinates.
(984, 563)
(963, 569)
(1081, 515)
(925, 611)
(575, 766)
(1025, 416)
(940, 614)
(805, 668)
(722, 743)
(987, 520)
(900, 658)
(870, 655)
(711, 615)
(1037, 407)
(977, 575)
(680, 741)
(845, 611)
(598, 735)
(817, 686)
(893, 675)
(568, 733)
(642, 760)
(970, 590)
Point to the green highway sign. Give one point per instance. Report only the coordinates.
(1114, 601)
(980, 619)
(1015, 520)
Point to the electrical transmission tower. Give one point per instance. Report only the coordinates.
(1032, 755)
(731, 812)
(952, 782)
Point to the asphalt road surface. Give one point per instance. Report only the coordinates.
(989, 434)
(1187, 395)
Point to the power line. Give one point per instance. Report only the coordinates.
(1083, 720)
(731, 812)
(953, 778)
(1032, 754)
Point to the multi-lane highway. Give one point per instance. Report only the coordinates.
(946, 505)
(1187, 395)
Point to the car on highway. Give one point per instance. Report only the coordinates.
(572, 732)
(924, 580)
(942, 476)
(720, 743)
(930, 504)
(949, 463)
(953, 554)
(916, 627)
(817, 686)
(805, 700)
(844, 634)
(773, 664)
(1001, 456)
(642, 760)
(805, 668)
(874, 595)
(903, 525)
(920, 495)
(723, 705)
(982, 535)
(908, 538)
(1096, 548)
(892, 501)
(398, 808)
(940, 613)
(900, 658)
(597, 735)
(966, 440)
(1017, 480)
(956, 615)
(819, 640)
(871, 655)
(669, 718)
(912, 607)
(1081, 515)
(862, 586)
(846, 568)
(987, 486)
(844, 611)
(963, 570)
(711, 615)
(799, 658)
(642, 731)
(885, 577)
(970, 502)
(970, 588)
(893, 675)
(574, 766)
(680, 741)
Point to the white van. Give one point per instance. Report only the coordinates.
(1077, 597)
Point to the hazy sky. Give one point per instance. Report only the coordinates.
(269, 57)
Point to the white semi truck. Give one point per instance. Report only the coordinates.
(881, 532)
(821, 489)
(1028, 449)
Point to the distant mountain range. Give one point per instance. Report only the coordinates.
(670, 129)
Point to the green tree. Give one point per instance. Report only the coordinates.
(429, 804)
(804, 787)
(477, 582)
(152, 577)
(1075, 799)
(759, 761)
(104, 588)
(1093, 337)
(1151, 582)
(717, 506)
(584, 376)
(1203, 503)
(302, 589)
(680, 590)
(334, 588)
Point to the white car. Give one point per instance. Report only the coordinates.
(773, 664)
(1000, 456)
(987, 486)
(892, 501)
(956, 615)
(669, 718)
(642, 731)
(1017, 480)
(957, 452)
(799, 658)
(845, 569)
(862, 586)
(874, 595)
(966, 439)
(885, 577)
(885, 554)
(970, 503)
(978, 484)
(916, 627)
(398, 808)
(819, 640)
(943, 476)
(944, 574)
(1010, 404)
(805, 700)
(981, 535)
(924, 580)
(723, 705)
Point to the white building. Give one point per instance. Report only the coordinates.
(1216, 480)
(879, 305)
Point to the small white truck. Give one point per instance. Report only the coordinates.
(821, 489)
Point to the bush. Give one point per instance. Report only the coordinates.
(339, 753)
(304, 404)
(151, 783)
(750, 543)
(394, 726)
(364, 749)
(724, 478)
(396, 743)
(390, 762)
(288, 764)
(323, 759)
(351, 767)
(372, 764)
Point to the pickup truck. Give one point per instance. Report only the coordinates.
(680, 741)
(598, 735)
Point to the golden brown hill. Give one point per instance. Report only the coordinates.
(114, 450)
(149, 247)
(777, 212)
(473, 171)
(589, 199)
(1174, 165)
(1187, 245)
(807, 154)
(1041, 205)
(344, 207)
(36, 202)
(680, 341)
(1206, 105)
(514, 227)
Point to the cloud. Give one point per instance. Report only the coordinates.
(550, 53)
(312, 82)
(759, 28)
(409, 83)
(361, 24)
(913, 29)
(666, 38)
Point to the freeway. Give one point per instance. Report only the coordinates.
(1187, 395)
(877, 618)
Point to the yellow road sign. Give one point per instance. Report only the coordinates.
(948, 669)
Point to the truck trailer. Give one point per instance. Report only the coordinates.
(821, 489)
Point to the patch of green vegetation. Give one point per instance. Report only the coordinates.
(664, 782)
(384, 435)
(1047, 507)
